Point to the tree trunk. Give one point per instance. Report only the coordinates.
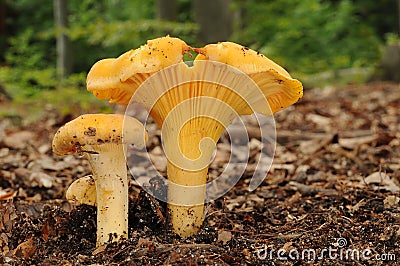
(214, 18)
(2, 17)
(166, 9)
(398, 15)
(64, 58)
(389, 66)
(3, 42)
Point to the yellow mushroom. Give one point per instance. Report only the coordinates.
(82, 191)
(193, 106)
(278, 87)
(116, 79)
(103, 139)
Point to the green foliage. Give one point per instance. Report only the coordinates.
(306, 36)
(310, 36)
(22, 83)
(392, 38)
(36, 92)
(26, 47)
(382, 16)
(98, 29)
(122, 25)
(114, 38)
(27, 50)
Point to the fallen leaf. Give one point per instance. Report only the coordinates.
(224, 236)
(26, 249)
(44, 148)
(4, 152)
(288, 167)
(47, 163)
(391, 201)
(18, 140)
(314, 145)
(321, 121)
(4, 249)
(352, 143)
(159, 162)
(382, 181)
(35, 179)
(359, 204)
(145, 243)
(42, 179)
(7, 194)
(99, 250)
(287, 246)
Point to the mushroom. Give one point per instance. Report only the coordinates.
(113, 79)
(193, 106)
(82, 191)
(275, 82)
(102, 139)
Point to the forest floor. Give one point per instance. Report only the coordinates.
(331, 197)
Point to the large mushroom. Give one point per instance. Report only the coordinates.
(193, 106)
(103, 139)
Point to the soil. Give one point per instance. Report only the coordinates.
(333, 189)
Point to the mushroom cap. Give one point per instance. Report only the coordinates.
(279, 88)
(98, 129)
(116, 79)
(82, 191)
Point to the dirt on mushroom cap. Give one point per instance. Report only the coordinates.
(116, 79)
(279, 88)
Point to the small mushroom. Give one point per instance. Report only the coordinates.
(102, 139)
(82, 191)
(193, 106)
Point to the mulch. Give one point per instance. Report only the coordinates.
(331, 196)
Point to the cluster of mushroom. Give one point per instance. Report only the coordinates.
(179, 102)
(102, 139)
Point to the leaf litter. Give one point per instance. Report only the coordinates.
(335, 176)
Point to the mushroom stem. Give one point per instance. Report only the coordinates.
(189, 147)
(110, 176)
(186, 220)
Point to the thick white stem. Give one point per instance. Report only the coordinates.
(110, 175)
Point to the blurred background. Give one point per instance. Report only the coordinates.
(47, 47)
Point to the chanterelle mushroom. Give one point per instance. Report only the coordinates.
(117, 79)
(82, 191)
(193, 106)
(102, 139)
(275, 82)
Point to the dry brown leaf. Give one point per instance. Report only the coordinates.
(48, 163)
(314, 145)
(224, 236)
(26, 249)
(159, 162)
(99, 250)
(4, 152)
(352, 143)
(391, 201)
(287, 246)
(382, 181)
(359, 204)
(4, 249)
(7, 194)
(321, 121)
(18, 140)
(288, 167)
